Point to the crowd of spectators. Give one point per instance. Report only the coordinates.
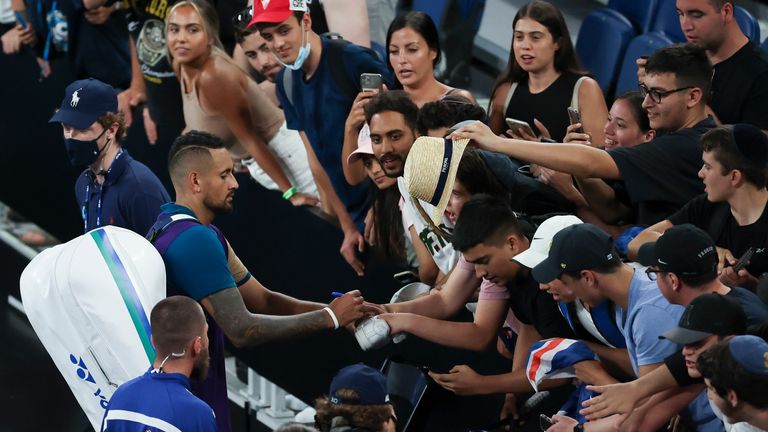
(636, 235)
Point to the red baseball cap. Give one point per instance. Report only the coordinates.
(276, 11)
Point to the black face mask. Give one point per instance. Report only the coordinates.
(83, 153)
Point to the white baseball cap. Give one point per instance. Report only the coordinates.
(542, 239)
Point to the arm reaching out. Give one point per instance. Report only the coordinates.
(245, 329)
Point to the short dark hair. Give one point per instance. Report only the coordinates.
(688, 62)
(718, 4)
(609, 267)
(193, 145)
(446, 112)
(476, 178)
(719, 141)
(484, 219)
(296, 14)
(242, 33)
(635, 101)
(393, 100)
(725, 373)
(175, 321)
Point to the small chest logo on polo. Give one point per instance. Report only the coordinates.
(75, 98)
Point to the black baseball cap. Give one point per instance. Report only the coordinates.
(85, 101)
(574, 248)
(685, 250)
(752, 143)
(707, 315)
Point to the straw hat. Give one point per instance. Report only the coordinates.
(430, 171)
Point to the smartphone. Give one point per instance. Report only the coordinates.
(743, 260)
(371, 82)
(575, 117)
(517, 125)
(545, 422)
(20, 20)
(406, 277)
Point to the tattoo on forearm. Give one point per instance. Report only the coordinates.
(244, 328)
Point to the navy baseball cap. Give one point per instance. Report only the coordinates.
(751, 352)
(707, 315)
(85, 101)
(685, 250)
(369, 384)
(574, 248)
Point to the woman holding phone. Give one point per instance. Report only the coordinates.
(543, 78)
(220, 98)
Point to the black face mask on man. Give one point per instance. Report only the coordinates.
(83, 153)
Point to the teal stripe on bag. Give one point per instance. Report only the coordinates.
(127, 290)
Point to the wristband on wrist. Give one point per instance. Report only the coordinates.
(290, 192)
(333, 317)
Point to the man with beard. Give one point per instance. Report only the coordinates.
(201, 264)
(160, 398)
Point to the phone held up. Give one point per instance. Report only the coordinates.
(574, 117)
(371, 82)
(518, 125)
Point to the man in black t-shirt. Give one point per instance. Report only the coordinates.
(740, 81)
(733, 209)
(660, 176)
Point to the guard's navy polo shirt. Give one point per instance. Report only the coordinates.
(130, 196)
(157, 402)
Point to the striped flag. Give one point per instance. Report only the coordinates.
(554, 358)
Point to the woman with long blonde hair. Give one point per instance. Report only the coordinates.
(220, 98)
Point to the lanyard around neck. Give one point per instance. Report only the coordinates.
(101, 194)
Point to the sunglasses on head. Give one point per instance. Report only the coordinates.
(241, 19)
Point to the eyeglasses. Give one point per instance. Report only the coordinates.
(651, 273)
(243, 18)
(658, 95)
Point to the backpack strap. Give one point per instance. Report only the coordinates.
(508, 98)
(575, 96)
(335, 52)
(168, 227)
(288, 85)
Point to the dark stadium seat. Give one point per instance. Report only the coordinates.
(642, 45)
(602, 41)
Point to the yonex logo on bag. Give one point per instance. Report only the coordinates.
(82, 369)
(85, 375)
